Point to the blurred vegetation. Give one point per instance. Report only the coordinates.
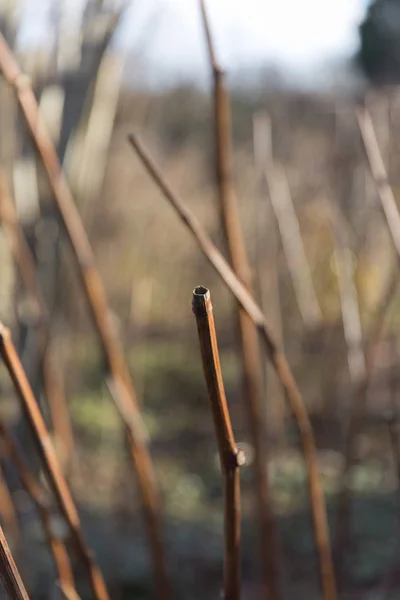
(379, 52)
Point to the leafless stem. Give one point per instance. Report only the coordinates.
(98, 304)
(277, 359)
(230, 458)
(49, 459)
(249, 343)
(38, 496)
(9, 574)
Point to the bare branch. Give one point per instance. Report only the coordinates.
(230, 458)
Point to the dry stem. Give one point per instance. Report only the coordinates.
(230, 458)
(250, 350)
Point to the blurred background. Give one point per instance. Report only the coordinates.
(322, 259)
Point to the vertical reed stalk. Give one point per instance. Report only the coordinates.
(249, 344)
(230, 458)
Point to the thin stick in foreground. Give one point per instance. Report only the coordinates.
(37, 494)
(49, 460)
(248, 338)
(278, 360)
(230, 458)
(9, 574)
(98, 304)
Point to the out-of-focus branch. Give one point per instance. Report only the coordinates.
(292, 243)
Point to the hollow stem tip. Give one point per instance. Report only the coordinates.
(201, 301)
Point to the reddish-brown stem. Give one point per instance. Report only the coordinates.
(127, 402)
(38, 496)
(229, 456)
(249, 343)
(9, 574)
(278, 360)
(53, 382)
(49, 459)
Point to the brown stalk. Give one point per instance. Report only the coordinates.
(100, 310)
(9, 574)
(277, 358)
(53, 382)
(249, 343)
(49, 459)
(38, 496)
(230, 458)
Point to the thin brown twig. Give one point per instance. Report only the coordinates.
(53, 382)
(277, 358)
(230, 458)
(49, 459)
(9, 574)
(38, 496)
(249, 343)
(100, 310)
